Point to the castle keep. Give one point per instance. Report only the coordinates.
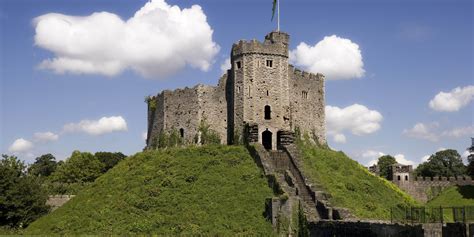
(260, 99)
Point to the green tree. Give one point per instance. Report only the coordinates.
(445, 163)
(22, 199)
(384, 163)
(44, 166)
(470, 166)
(109, 159)
(80, 167)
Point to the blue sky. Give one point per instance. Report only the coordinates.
(411, 51)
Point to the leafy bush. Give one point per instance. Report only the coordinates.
(21, 198)
(208, 136)
(109, 159)
(80, 167)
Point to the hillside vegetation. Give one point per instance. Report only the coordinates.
(350, 184)
(456, 196)
(211, 190)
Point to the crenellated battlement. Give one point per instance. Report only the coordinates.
(300, 74)
(276, 43)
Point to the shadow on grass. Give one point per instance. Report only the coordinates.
(466, 191)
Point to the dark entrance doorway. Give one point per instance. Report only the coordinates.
(267, 139)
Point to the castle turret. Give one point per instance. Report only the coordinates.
(260, 87)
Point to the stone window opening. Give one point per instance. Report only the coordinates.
(268, 112)
(181, 132)
(304, 94)
(406, 177)
(267, 92)
(398, 177)
(269, 63)
(239, 64)
(238, 89)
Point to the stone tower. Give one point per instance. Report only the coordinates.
(260, 86)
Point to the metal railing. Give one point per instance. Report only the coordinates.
(412, 215)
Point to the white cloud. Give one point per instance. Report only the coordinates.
(45, 137)
(335, 57)
(400, 158)
(431, 132)
(144, 135)
(459, 132)
(339, 138)
(20, 145)
(372, 155)
(98, 127)
(355, 118)
(158, 40)
(372, 162)
(423, 131)
(425, 158)
(453, 100)
(225, 65)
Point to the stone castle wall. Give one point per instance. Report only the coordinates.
(307, 103)
(424, 188)
(260, 77)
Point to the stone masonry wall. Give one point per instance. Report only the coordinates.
(307, 103)
(213, 107)
(419, 187)
(185, 108)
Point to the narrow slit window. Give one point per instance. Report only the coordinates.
(239, 64)
(181, 132)
(269, 63)
(267, 92)
(304, 94)
(268, 112)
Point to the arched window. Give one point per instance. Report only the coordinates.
(398, 177)
(268, 112)
(181, 132)
(406, 177)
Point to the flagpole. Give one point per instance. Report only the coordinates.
(278, 6)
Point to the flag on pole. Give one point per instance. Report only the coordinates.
(274, 7)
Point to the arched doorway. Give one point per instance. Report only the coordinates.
(267, 139)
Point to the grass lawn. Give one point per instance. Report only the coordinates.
(350, 184)
(456, 196)
(211, 190)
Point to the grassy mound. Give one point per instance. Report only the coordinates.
(350, 184)
(456, 196)
(213, 190)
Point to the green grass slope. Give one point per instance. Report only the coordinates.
(350, 184)
(213, 190)
(456, 196)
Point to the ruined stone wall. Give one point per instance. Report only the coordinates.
(213, 107)
(307, 103)
(56, 201)
(185, 108)
(156, 114)
(181, 111)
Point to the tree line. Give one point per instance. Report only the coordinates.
(445, 163)
(24, 189)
